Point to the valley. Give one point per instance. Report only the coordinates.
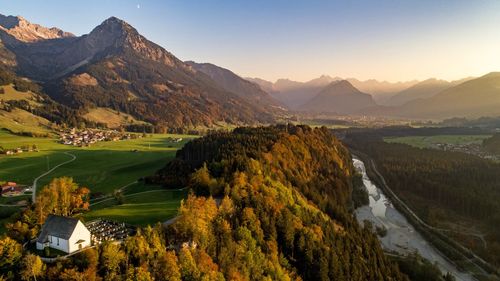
(196, 141)
(103, 167)
(400, 236)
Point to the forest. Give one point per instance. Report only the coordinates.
(48, 108)
(268, 203)
(449, 190)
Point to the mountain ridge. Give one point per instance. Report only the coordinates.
(114, 66)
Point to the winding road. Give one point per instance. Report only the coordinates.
(35, 182)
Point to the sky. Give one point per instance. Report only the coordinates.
(393, 40)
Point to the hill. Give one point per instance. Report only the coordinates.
(339, 97)
(25, 109)
(286, 193)
(475, 98)
(117, 68)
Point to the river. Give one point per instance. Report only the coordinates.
(401, 235)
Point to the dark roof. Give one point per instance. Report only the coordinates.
(57, 226)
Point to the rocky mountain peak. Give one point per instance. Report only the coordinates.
(25, 31)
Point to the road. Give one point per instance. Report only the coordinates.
(35, 182)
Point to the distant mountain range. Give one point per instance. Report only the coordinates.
(473, 98)
(428, 99)
(295, 94)
(291, 93)
(115, 67)
(422, 90)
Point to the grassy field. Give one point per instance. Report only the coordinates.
(19, 120)
(432, 141)
(140, 209)
(111, 118)
(103, 167)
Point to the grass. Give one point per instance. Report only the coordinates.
(20, 121)
(140, 209)
(112, 118)
(431, 141)
(103, 167)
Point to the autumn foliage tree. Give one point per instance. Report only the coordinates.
(61, 196)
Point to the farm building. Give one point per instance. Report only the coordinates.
(63, 233)
(12, 189)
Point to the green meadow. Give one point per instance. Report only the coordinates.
(432, 141)
(140, 209)
(103, 167)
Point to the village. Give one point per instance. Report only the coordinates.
(469, 148)
(83, 138)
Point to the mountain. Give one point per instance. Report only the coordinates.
(291, 93)
(474, 98)
(381, 90)
(422, 90)
(24, 31)
(235, 84)
(265, 85)
(294, 94)
(117, 68)
(339, 97)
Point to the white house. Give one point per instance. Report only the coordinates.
(63, 233)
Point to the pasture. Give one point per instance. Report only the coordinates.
(140, 209)
(103, 167)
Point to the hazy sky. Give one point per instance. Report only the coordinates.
(390, 40)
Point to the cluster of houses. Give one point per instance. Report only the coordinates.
(469, 148)
(10, 189)
(90, 136)
(70, 235)
(21, 149)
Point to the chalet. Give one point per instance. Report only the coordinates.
(63, 233)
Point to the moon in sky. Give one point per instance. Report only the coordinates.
(138, 6)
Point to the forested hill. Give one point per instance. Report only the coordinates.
(283, 212)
